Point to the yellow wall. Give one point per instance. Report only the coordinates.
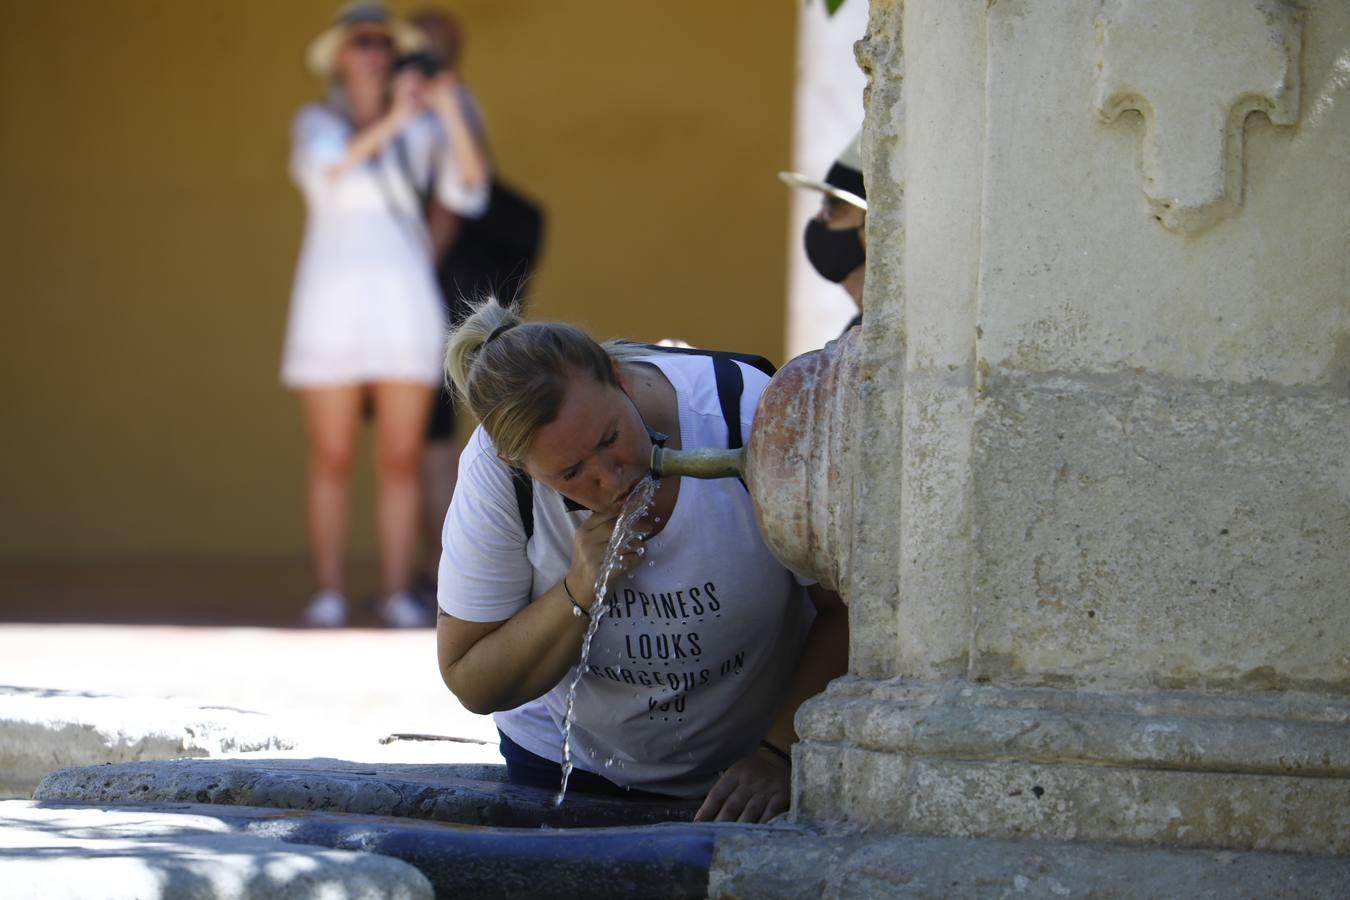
(150, 233)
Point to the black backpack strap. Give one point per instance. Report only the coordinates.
(730, 382)
(523, 485)
(730, 386)
(750, 359)
(524, 488)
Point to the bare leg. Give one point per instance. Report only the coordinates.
(331, 419)
(401, 410)
(440, 470)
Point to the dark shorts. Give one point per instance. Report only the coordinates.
(532, 770)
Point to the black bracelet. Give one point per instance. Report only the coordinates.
(577, 609)
(781, 754)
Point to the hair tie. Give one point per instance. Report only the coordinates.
(499, 331)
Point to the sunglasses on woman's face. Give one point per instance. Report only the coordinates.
(370, 41)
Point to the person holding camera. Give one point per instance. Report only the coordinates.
(492, 255)
(366, 326)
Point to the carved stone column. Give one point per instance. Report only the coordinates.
(1100, 574)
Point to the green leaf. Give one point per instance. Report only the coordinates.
(832, 6)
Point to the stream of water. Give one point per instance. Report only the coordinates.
(625, 530)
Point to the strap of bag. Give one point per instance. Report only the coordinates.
(730, 386)
(405, 166)
(414, 228)
(750, 359)
(524, 488)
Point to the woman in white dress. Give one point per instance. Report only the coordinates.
(366, 324)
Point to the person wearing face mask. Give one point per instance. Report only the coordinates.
(835, 238)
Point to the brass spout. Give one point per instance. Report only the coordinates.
(698, 463)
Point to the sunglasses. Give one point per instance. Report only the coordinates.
(369, 41)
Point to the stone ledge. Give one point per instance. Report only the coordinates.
(1218, 704)
(470, 795)
(42, 730)
(799, 865)
(1275, 734)
(1050, 801)
(1241, 771)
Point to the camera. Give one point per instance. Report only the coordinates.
(420, 60)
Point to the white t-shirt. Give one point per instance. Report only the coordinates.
(692, 659)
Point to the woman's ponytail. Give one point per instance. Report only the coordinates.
(466, 341)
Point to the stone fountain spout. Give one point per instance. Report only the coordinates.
(702, 463)
(795, 462)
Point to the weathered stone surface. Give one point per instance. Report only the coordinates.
(1259, 771)
(995, 266)
(1095, 453)
(469, 795)
(1075, 273)
(85, 853)
(1291, 734)
(869, 584)
(1073, 802)
(42, 730)
(787, 865)
(1157, 533)
(1194, 71)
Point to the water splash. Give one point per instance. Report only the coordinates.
(625, 531)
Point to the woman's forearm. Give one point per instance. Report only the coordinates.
(523, 659)
(367, 142)
(464, 155)
(824, 657)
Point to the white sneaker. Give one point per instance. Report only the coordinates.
(402, 611)
(327, 609)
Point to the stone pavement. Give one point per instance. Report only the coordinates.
(42, 729)
(337, 694)
(319, 728)
(80, 853)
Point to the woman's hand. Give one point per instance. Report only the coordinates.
(441, 94)
(405, 103)
(409, 95)
(755, 789)
(588, 554)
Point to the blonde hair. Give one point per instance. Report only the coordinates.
(511, 374)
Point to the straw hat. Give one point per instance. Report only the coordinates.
(844, 181)
(321, 54)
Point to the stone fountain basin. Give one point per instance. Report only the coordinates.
(463, 826)
(476, 795)
(256, 808)
(666, 861)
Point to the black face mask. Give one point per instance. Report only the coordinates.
(833, 253)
